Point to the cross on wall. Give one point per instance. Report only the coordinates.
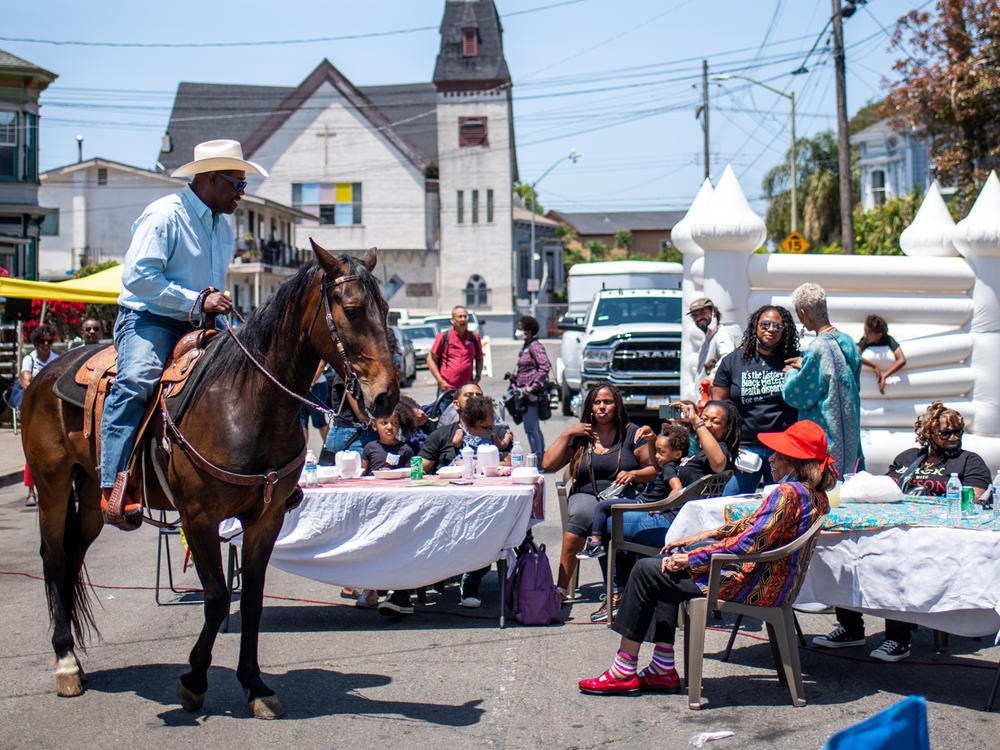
(326, 135)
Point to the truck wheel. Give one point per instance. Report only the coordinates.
(566, 397)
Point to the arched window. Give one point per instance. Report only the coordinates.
(476, 292)
(878, 187)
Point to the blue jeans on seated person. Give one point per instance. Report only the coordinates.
(144, 342)
(741, 482)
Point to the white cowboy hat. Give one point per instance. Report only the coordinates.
(218, 156)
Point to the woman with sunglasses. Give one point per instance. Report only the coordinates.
(752, 378)
(32, 364)
(923, 469)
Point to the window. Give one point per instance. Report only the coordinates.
(878, 187)
(475, 206)
(102, 175)
(476, 292)
(337, 203)
(460, 207)
(50, 224)
(8, 145)
(472, 131)
(489, 206)
(30, 147)
(470, 42)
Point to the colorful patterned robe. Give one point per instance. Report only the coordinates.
(783, 516)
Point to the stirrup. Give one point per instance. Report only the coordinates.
(114, 514)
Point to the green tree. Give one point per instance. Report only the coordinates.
(878, 230)
(623, 238)
(948, 90)
(598, 250)
(529, 196)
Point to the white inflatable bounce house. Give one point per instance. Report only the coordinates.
(943, 308)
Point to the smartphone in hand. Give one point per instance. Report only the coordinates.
(670, 411)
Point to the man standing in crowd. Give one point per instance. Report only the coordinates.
(456, 356)
(175, 267)
(719, 341)
(824, 383)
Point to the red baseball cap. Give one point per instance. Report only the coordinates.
(804, 439)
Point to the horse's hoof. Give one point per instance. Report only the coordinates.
(189, 701)
(267, 707)
(69, 685)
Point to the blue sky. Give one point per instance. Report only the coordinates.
(618, 81)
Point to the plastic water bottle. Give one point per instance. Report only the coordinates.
(516, 455)
(953, 499)
(310, 476)
(993, 497)
(468, 462)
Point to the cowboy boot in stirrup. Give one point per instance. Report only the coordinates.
(119, 508)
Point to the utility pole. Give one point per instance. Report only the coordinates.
(843, 143)
(704, 111)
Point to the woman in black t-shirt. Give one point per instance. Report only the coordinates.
(752, 377)
(877, 334)
(601, 450)
(928, 467)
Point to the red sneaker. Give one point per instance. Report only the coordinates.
(659, 683)
(608, 684)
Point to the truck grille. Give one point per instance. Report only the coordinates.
(647, 356)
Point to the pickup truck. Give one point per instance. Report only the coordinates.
(631, 337)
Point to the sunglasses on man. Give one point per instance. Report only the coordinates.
(91, 329)
(234, 181)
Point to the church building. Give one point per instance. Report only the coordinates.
(422, 171)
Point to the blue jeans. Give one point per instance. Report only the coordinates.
(337, 437)
(144, 343)
(748, 481)
(533, 429)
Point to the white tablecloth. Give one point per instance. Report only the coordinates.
(943, 578)
(395, 536)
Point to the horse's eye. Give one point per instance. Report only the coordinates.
(352, 313)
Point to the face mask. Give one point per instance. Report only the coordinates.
(519, 333)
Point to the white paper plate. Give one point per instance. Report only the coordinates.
(392, 473)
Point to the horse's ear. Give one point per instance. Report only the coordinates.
(326, 260)
(370, 258)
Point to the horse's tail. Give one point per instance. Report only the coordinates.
(76, 588)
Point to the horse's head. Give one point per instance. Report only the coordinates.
(353, 336)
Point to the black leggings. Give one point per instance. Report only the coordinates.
(648, 610)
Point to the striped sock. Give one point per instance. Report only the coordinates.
(663, 660)
(624, 666)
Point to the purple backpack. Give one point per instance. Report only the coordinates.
(531, 594)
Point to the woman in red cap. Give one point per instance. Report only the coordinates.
(657, 585)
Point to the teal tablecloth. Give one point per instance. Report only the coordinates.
(915, 511)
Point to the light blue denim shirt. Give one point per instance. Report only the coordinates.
(178, 248)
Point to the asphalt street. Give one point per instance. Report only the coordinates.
(442, 677)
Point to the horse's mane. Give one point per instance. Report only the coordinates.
(262, 325)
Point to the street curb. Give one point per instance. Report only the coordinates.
(11, 478)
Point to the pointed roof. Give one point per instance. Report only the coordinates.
(19, 66)
(325, 72)
(486, 69)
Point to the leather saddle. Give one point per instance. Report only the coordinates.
(97, 374)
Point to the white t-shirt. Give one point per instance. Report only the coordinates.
(31, 363)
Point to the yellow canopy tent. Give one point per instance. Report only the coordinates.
(99, 288)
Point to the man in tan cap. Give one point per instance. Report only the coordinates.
(719, 340)
(175, 267)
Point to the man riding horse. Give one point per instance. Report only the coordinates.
(174, 270)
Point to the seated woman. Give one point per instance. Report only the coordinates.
(877, 334)
(717, 430)
(927, 469)
(603, 449)
(658, 585)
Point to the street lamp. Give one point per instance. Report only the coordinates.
(791, 98)
(572, 156)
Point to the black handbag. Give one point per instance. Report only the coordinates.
(513, 402)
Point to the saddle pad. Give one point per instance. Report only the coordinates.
(66, 386)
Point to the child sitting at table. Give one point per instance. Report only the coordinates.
(387, 452)
(671, 445)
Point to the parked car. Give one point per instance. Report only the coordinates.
(442, 321)
(404, 357)
(422, 335)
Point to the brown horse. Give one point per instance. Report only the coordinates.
(238, 420)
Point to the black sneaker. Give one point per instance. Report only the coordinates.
(398, 603)
(839, 638)
(591, 551)
(468, 596)
(891, 650)
(601, 613)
